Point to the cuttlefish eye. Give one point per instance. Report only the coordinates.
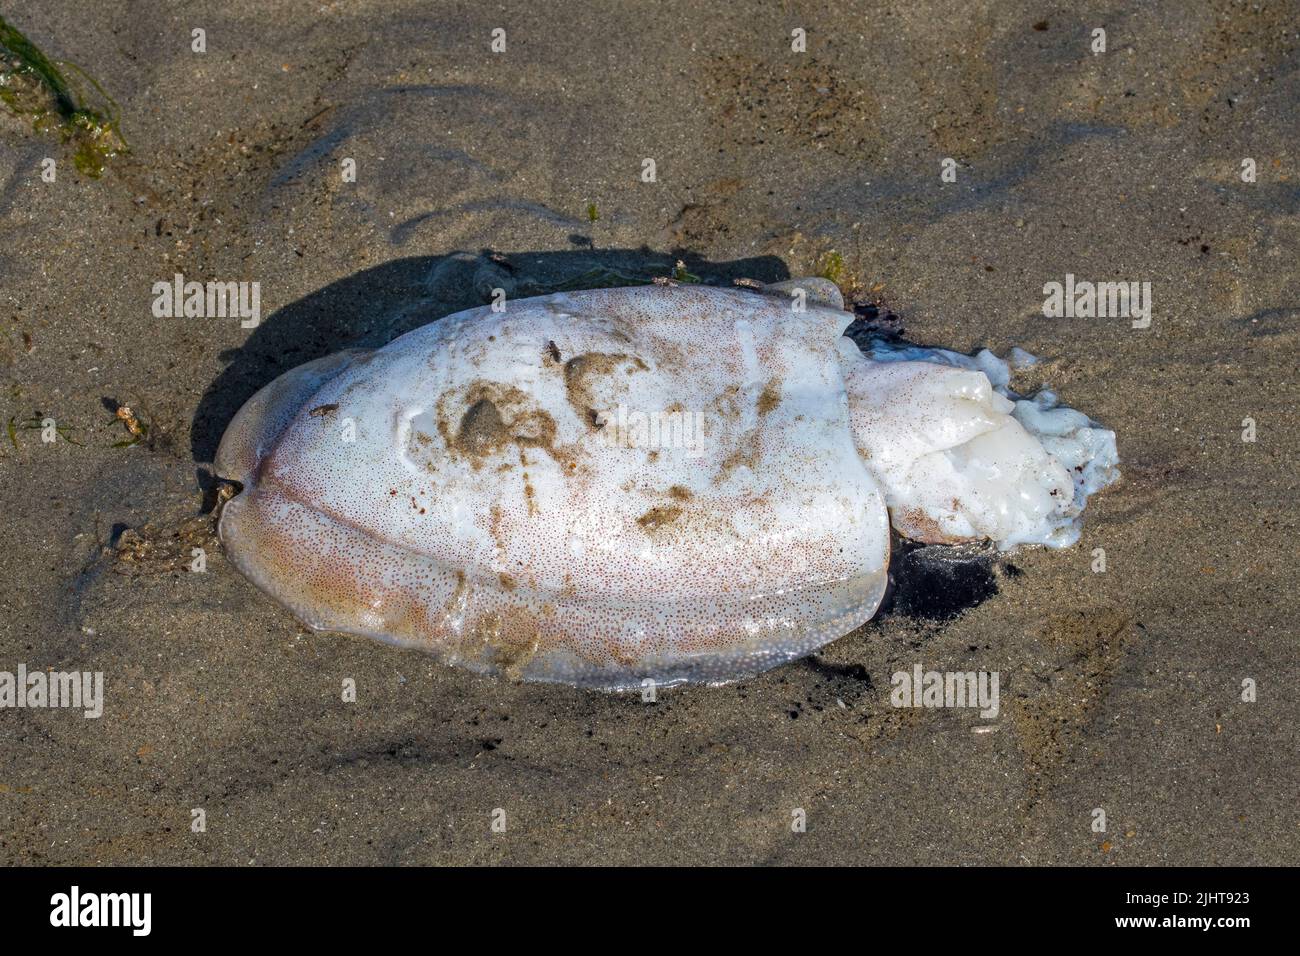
(664, 483)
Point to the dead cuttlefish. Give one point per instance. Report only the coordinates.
(660, 483)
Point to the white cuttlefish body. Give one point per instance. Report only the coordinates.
(663, 483)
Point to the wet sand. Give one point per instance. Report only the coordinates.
(1120, 690)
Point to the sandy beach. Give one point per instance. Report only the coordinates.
(1161, 690)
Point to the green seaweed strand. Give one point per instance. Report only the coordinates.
(31, 84)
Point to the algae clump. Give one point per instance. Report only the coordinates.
(33, 86)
